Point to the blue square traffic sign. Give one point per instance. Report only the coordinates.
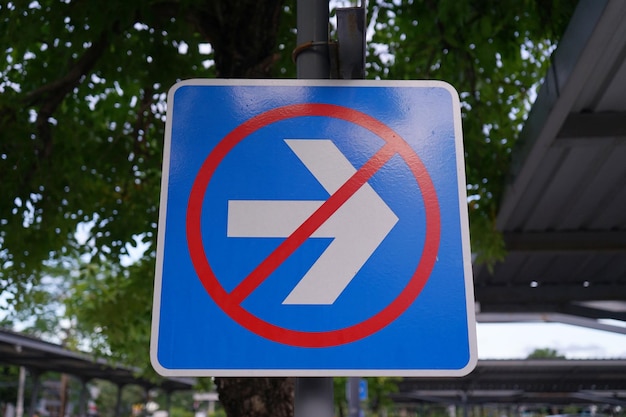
(313, 228)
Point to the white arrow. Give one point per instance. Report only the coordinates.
(358, 226)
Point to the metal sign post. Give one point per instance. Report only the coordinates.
(313, 396)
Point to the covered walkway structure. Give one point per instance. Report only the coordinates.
(525, 382)
(563, 219)
(39, 357)
(563, 216)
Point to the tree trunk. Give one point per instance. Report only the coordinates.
(256, 397)
(243, 34)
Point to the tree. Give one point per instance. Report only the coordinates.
(494, 53)
(81, 126)
(378, 390)
(81, 115)
(262, 396)
(9, 376)
(545, 353)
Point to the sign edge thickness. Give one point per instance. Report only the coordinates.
(165, 170)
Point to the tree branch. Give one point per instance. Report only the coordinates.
(51, 95)
(54, 92)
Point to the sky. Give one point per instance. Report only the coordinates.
(517, 340)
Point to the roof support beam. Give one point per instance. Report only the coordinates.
(596, 241)
(601, 399)
(594, 313)
(520, 296)
(593, 126)
(538, 317)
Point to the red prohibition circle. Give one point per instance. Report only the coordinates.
(231, 304)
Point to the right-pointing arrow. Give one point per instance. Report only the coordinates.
(358, 226)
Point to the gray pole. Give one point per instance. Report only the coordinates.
(313, 396)
(354, 402)
(34, 396)
(118, 401)
(312, 59)
(82, 399)
(19, 411)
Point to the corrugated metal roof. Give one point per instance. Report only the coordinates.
(536, 381)
(564, 213)
(40, 356)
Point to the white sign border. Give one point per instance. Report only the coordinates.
(464, 227)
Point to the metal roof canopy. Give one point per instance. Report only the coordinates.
(39, 356)
(528, 382)
(563, 215)
(540, 381)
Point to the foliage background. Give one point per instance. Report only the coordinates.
(82, 109)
